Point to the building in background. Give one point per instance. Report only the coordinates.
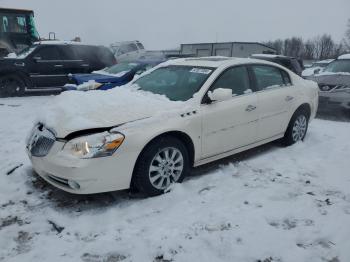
(230, 49)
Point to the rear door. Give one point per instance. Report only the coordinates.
(47, 67)
(72, 63)
(275, 100)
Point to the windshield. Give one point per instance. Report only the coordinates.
(339, 66)
(33, 31)
(178, 83)
(123, 67)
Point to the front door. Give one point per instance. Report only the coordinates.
(47, 68)
(230, 124)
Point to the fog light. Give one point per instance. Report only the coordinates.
(73, 184)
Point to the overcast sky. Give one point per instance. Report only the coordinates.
(162, 24)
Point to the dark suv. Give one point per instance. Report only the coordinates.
(46, 66)
(291, 63)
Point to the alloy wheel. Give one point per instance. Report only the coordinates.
(166, 167)
(299, 128)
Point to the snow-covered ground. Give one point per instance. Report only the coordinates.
(269, 204)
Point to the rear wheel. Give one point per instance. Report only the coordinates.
(11, 85)
(297, 128)
(162, 163)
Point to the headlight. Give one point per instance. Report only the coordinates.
(92, 146)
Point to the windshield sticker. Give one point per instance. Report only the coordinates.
(201, 71)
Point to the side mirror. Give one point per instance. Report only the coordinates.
(220, 94)
(316, 71)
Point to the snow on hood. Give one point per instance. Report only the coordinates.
(73, 111)
(105, 73)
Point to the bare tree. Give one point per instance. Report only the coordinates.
(277, 45)
(347, 36)
(309, 50)
(324, 47)
(320, 47)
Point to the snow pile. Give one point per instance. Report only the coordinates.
(11, 55)
(74, 110)
(311, 71)
(346, 56)
(272, 204)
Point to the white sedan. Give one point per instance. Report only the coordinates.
(183, 113)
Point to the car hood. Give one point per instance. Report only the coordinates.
(100, 78)
(75, 111)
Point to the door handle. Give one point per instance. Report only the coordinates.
(250, 108)
(85, 65)
(58, 65)
(289, 98)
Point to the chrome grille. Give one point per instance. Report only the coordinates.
(41, 141)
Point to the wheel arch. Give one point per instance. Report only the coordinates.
(22, 75)
(182, 136)
(305, 107)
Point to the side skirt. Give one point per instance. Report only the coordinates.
(236, 150)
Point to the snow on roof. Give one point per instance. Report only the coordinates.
(346, 56)
(214, 61)
(267, 55)
(125, 42)
(58, 42)
(324, 61)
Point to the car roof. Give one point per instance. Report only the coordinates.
(57, 42)
(324, 61)
(272, 56)
(125, 42)
(216, 61)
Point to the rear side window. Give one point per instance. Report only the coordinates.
(105, 56)
(235, 78)
(286, 78)
(267, 77)
(48, 53)
(82, 52)
(68, 53)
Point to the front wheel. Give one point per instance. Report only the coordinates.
(297, 128)
(11, 85)
(162, 163)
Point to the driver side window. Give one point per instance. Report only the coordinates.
(48, 53)
(235, 78)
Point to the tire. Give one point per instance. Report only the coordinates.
(155, 172)
(297, 128)
(11, 85)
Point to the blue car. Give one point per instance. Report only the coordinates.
(110, 77)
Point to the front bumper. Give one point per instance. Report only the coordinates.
(95, 175)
